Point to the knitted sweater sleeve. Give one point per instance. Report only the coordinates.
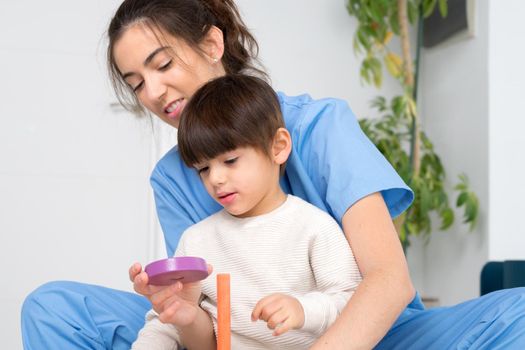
(336, 273)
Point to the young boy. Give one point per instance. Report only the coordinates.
(290, 264)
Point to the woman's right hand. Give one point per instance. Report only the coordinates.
(177, 303)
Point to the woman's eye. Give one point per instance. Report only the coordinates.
(138, 86)
(165, 66)
(231, 160)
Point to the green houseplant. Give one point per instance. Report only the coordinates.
(397, 131)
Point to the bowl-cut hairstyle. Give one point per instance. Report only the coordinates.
(227, 113)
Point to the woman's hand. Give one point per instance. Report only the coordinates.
(176, 303)
(280, 311)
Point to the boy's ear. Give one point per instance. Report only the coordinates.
(281, 146)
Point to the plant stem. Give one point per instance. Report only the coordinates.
(405, 43)
(409, 80)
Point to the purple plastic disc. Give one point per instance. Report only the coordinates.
(183, 268)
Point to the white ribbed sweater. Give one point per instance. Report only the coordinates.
(297, 249)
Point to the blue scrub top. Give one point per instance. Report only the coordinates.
(332, 165)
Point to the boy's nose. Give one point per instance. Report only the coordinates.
(217, 176)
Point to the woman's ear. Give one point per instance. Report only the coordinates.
(281, 146)
(213, 44)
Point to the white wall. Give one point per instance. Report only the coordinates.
(74, 194)
(506, 124)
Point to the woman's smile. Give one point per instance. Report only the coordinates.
(174, 108)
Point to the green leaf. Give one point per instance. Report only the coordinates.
(425, 199)
(471, 210)
(398, 105)
(428, 7)
(426, 142)
(379, 102)
(394, 22)
(366, 71)
(375, 12)
(412, 10)
(356, 45)
(402, 233)
(462, 199)
(362, 38)
(443, 8)
(447, 218)
(462, 186)
(412, 228)
(377, 72)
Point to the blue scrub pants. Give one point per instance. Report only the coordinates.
(69, 315)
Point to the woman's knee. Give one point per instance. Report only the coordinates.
(45, 296)
(516, 295)
(510, 303)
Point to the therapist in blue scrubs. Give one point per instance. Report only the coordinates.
(160, 52)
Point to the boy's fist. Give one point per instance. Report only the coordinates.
(281, 312)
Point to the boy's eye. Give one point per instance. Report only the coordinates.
(202, 170)
(231, 160)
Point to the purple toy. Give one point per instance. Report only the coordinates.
(183, 268)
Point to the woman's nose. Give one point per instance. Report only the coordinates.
(155, 89)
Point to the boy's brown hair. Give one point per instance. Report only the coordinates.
(227, 113)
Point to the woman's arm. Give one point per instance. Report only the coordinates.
(386, 288)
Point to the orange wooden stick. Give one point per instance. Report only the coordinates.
(223, 312)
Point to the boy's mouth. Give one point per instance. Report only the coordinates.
(226, 198)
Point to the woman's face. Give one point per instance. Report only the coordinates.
(163, 75)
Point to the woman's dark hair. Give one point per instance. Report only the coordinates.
(189, 20)
(226, 113)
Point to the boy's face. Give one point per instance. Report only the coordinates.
(244, 181)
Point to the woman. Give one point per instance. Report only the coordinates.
(160, 52)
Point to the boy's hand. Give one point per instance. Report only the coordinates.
(281, 313)
(176, 303)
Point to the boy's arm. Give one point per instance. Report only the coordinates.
(156, 335)
(160, 331)
(199, 335)
(337, 277)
